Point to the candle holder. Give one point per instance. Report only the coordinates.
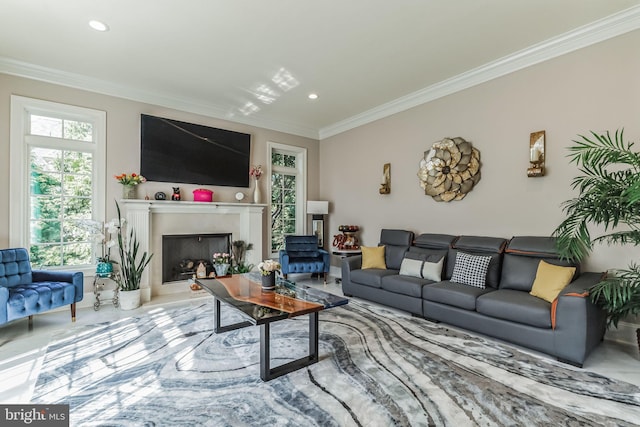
(385, 185)
(536, 154)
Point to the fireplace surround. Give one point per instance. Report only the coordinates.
(153, 218)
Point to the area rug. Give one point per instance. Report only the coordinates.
(376, 368)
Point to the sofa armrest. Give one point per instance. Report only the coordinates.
(579, 324)
(582, 284)
(283, 258)
(348, 265)
(326, 259)
(75, 277)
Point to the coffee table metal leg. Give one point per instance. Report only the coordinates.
(266, 372)
(217, 328)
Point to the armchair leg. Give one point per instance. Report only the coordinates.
(73, 312)
(325, 277)
(30, 326)
(284, 275)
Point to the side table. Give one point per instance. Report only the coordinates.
(345, 253)
(99, 282)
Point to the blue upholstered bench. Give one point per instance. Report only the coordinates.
(25, 292)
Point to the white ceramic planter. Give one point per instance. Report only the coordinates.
(129, 299)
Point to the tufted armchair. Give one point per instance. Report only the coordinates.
(301, 254)
(24, 292)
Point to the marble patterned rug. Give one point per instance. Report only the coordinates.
(376, 368)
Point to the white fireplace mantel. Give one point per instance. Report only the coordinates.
(140, 213)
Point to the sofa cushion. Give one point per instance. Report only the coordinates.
(394, 255)
(371, 277)
(550, 280)
(434, 241)
(373, 257)
(515, 306)
(15, 268)
(396, 242)
(519, 272)
(470, 269)
(411, 267)
(405, 285)
(433, 270)
(478, 245)
(425, 265)
(454, 294)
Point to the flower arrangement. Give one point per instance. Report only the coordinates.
(256, 171)
(101, 233)
(130, 179)
(269, 266)
(221, 258)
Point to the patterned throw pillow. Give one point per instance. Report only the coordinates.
(470, 269)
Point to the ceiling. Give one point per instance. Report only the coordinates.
(256, 61)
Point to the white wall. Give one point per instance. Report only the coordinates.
(123, 144)
(596, 88)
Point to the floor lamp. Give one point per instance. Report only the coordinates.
(318, 209)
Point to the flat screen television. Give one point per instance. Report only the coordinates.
(174, 151)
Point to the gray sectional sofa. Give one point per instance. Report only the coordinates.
(568, 328)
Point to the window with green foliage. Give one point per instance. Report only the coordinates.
(59, 153)
(287, 185)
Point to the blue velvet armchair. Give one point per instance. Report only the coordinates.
(24, 292)
(301, 254)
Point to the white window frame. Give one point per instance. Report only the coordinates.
(19, 181)
(301, 184)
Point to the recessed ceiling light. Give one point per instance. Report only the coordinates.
(313, 96)
(98, 26)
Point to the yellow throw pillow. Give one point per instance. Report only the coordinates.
(373, 257)
(551, 280)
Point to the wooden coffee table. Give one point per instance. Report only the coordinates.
(244, 294)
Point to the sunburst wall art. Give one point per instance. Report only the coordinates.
(450, 169)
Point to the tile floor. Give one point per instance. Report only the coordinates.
(22, 351)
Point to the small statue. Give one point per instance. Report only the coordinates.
(176, 194)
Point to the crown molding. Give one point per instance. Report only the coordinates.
(611, 26)
(595, 32)
(177, 102)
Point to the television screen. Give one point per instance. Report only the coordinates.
(174, 151)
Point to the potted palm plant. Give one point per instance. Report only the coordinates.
(610, 197)
(131, 265)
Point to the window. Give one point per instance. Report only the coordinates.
(288, 183)
(57, 172)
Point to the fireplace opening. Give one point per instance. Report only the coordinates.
(182, 254)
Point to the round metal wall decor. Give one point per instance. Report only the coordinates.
(449, 170)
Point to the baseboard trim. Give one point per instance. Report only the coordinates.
(625, 333)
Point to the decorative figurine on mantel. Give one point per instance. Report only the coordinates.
(176, 194)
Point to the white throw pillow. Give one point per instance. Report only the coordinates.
(411, 267)
(470, 269)
(433, 270)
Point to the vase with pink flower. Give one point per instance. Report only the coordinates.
(256, 173)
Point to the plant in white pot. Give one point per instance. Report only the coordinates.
(131, 265)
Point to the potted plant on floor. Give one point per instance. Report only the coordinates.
(239, 249)
(609, 196)
(131, 265)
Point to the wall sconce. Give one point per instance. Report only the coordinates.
(536, 154)
(385, 185)
(318, 209)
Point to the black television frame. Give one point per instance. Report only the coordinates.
(180, 152)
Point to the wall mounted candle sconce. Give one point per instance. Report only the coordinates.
(536, 154)
(385, 185)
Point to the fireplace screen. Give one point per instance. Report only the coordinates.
(183, 254)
